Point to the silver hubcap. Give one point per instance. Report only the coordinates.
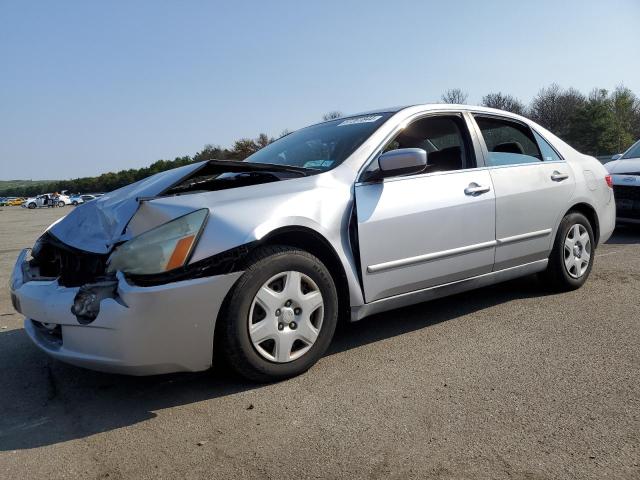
(286, 316)
(577, 251)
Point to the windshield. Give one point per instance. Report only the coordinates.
(633, 152)
(323, 146)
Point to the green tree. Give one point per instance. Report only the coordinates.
(243, 148)
(592, 128)
(626, 114)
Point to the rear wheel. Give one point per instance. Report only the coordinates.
(281, 315)
(61, 203)
(572, 256)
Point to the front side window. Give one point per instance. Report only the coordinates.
(508, 143)
(444, 138)
(323, 146)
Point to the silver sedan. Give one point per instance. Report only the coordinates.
(257, 261)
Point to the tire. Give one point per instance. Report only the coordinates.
(563, 273)
(61, 203)
(74, 203)
(31, 206)
(279, 356)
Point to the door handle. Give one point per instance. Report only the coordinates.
(556, 176)
(474, 189)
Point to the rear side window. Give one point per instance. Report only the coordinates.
(508, 143)
(548, 153)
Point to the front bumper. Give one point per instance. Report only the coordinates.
(140, 331)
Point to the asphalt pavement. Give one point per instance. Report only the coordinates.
(503, 382)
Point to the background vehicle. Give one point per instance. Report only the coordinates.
(78, 199)
(44, 199)
(14, 202)
(625, 174)
(347, 218)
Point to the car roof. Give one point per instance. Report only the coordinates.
(435, 106)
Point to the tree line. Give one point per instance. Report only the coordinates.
(599, 123)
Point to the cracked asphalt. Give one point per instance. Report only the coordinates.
(503, 382)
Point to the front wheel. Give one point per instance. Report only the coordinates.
(281, 315)
(61, 203)
(572, 256)
(31, 206)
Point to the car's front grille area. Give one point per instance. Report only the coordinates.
(627, 201)
(71, 266)
(51, 334)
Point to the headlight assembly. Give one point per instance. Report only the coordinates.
(161, 249)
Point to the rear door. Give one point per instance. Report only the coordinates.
(533, 185)
(432, 228)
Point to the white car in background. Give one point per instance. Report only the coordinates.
(43, 201)
(78, 199)
(625, 174)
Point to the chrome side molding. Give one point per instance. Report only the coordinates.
(524, 236)
(404, 262)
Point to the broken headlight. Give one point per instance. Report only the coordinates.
(160, 249)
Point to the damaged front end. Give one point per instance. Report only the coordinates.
(53, 260)
(109, 323)
(70, 267)
(86, 304)
(89, 246)
(131, 282)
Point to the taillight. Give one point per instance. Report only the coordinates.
(609, 181)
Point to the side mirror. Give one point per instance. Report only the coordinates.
(616, 156)
(402, 162)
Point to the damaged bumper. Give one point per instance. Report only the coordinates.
(137, 330)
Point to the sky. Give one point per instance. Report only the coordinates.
(88, 87)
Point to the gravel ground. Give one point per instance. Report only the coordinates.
(503, 382)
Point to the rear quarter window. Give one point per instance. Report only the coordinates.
(548, 153)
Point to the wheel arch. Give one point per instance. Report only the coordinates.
(591, 214)
(313, 242)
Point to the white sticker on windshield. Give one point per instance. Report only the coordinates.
(357, 120)
(318, 164)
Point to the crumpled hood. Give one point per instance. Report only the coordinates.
(97, 225)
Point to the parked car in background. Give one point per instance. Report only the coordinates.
(349, 217)
(625, 174)
(78, 199)
(15, 201)
(46, 199)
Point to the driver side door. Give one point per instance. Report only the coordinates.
(427, 229)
